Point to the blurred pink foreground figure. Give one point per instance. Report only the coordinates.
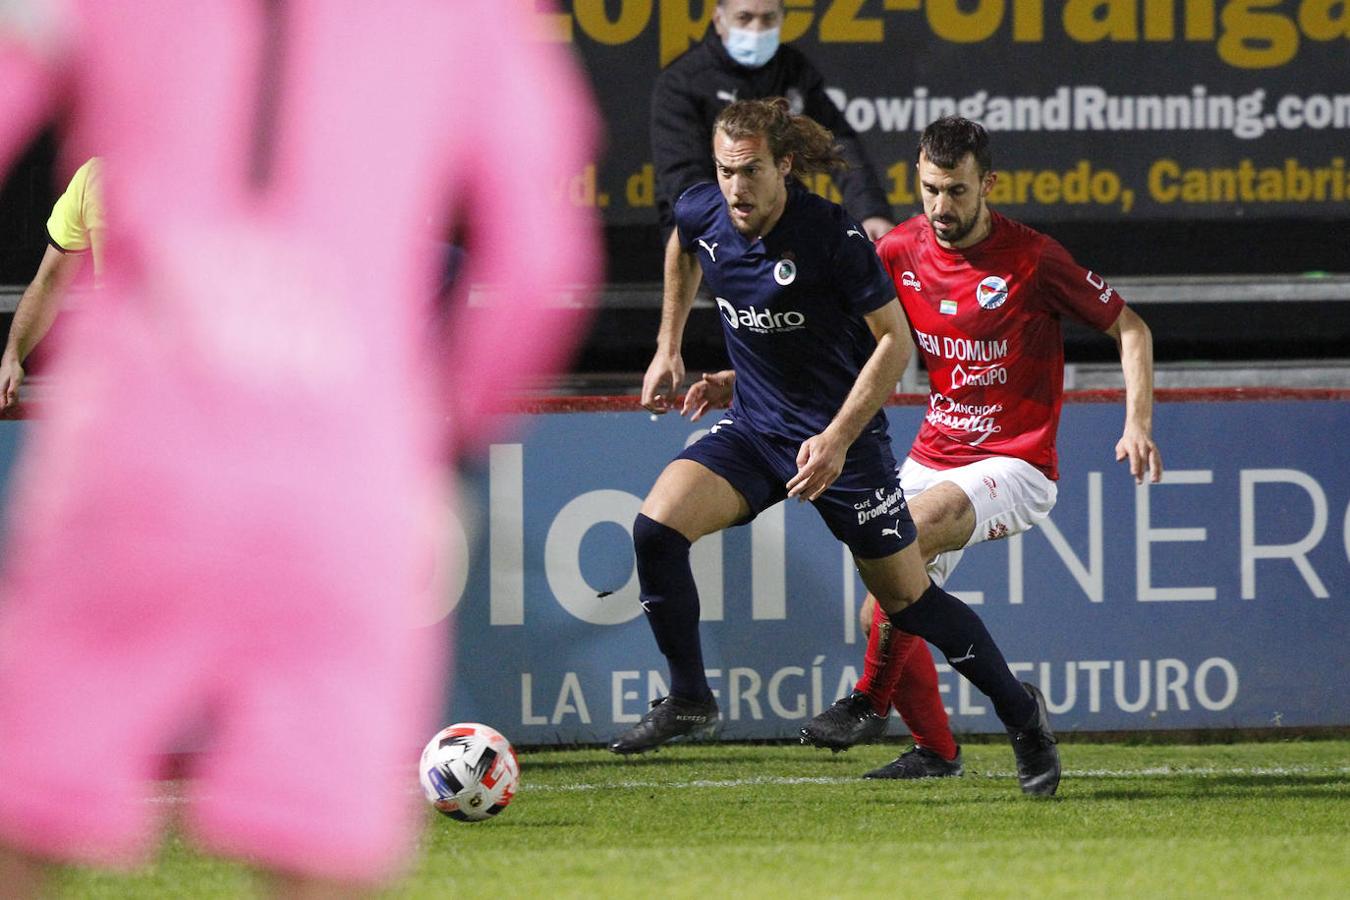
(229, 510)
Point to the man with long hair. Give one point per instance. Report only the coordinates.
(818, 340)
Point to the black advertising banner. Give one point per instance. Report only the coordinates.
(1099, 110)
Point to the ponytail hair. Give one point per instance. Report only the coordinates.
(811, 145)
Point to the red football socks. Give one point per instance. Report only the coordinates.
(899, 669)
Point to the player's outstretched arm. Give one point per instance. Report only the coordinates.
(1134, 341)
(666, 372)
(821, 458)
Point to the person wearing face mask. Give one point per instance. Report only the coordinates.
(741, 59)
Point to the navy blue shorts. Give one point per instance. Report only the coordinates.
(865, 507)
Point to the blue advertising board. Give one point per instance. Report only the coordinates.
(1216, 599)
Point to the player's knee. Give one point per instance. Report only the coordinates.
(939, 534)
(891, 603)
(657, 544)
(928, 549)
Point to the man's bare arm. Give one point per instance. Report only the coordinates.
(666, 372)
(33, 318)
(1134, 340)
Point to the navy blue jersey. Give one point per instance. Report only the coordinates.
(792, 306)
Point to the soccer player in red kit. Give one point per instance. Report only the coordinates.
(984, 296)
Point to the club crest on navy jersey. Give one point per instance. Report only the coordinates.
(991, 293)
(785, 272)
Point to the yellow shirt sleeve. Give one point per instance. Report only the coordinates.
(78, 212)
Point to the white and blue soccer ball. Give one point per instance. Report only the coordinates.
(469, 772)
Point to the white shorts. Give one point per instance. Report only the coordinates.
(1009, 495)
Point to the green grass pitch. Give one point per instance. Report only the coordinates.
(711, 821)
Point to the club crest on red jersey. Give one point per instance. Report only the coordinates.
(991, 293)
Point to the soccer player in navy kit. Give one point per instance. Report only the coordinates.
(818, 340)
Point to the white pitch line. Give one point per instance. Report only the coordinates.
(1158, 772)
(173, 793)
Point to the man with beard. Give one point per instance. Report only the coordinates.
(984, 296)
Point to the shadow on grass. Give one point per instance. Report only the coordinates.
(1227, 788)
(519, 824)
(672, 756)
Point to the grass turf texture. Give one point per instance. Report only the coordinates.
(705, 820)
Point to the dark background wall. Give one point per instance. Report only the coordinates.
(880, 56)
(26, 197)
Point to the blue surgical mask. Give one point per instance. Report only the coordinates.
(752, 49)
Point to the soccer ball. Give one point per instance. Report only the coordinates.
(469, 772)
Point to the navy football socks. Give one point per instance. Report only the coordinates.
(955, 629)
(670, 599)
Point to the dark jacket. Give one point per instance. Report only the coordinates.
(694, 88)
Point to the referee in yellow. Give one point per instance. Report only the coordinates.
(75, 230)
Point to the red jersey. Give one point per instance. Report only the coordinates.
(987, 321)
